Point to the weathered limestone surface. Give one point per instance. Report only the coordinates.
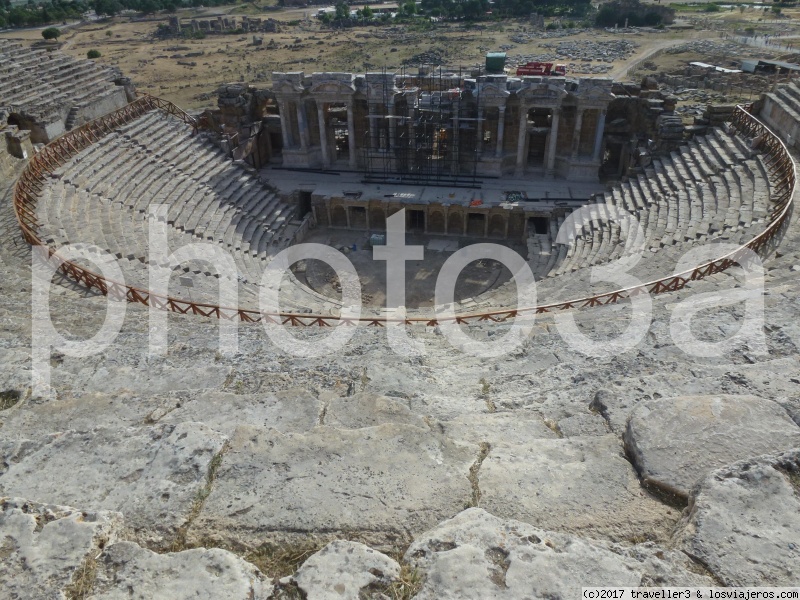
(152, 474)
(286, 410)
(736, 524)
(157, 379)
(341, 570)
(44, 547)
(496, 428)
(743, 521)
(367, 410)
(127, 571)
(476, 555)
(386, 483)
(583, 424)
(572, 485)
(674, 442)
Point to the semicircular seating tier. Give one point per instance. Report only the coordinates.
(49, 92)
(715, 189)
(102, 196)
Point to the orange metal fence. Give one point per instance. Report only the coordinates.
(781, 171)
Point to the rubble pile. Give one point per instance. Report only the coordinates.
(594, 57)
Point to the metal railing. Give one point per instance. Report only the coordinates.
(779, 163)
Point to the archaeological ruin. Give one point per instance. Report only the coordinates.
(48, 93)
(644, 430)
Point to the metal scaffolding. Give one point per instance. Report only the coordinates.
(429, 137)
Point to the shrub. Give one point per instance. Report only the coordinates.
(93, 54)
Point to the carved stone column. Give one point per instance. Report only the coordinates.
(576, 135)
(598, 136)
(323, 135)
(305, 141)
(392, 124)
(286, 125)
(501, 120)
(351, 135)
(479, 128)
(552, 142)
(373, 128)
(522, 138)
(456, 141)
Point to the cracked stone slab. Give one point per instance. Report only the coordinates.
(82, 413)
(675, 442)
(288, 410)
(158, 379)
(342, 570)
(583, 424)
(477, 556)
(150, 474)
(572, 485)
(497, 428)
(614, 407)
(368, 410)
(126, 571)
(44, 547)
(743, 521)
(385, 483)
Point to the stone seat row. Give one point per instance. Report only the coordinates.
(90, 221)
(68, 87)
(102, 196)
(677, 202)
(11, 62)
(578, 284)
(787, 96)
(60, 69)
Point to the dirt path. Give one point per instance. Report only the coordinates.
(647, 49)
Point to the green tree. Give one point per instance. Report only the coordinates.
(342, 11)
(51, 33)
(148, 6)
(367, 14)
(408, 8)
(93, 54)
(106, 7)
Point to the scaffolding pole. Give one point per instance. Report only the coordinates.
(430, 137)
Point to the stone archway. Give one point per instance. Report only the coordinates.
(377, 219)
(455, 223)
(497, 226)
(338, 216)
(436, 222)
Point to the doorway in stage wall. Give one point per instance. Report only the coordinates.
(416, 220)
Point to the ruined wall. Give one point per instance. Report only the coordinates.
(100, 106)
(779, 109)
(442, 124)
(49, 93)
